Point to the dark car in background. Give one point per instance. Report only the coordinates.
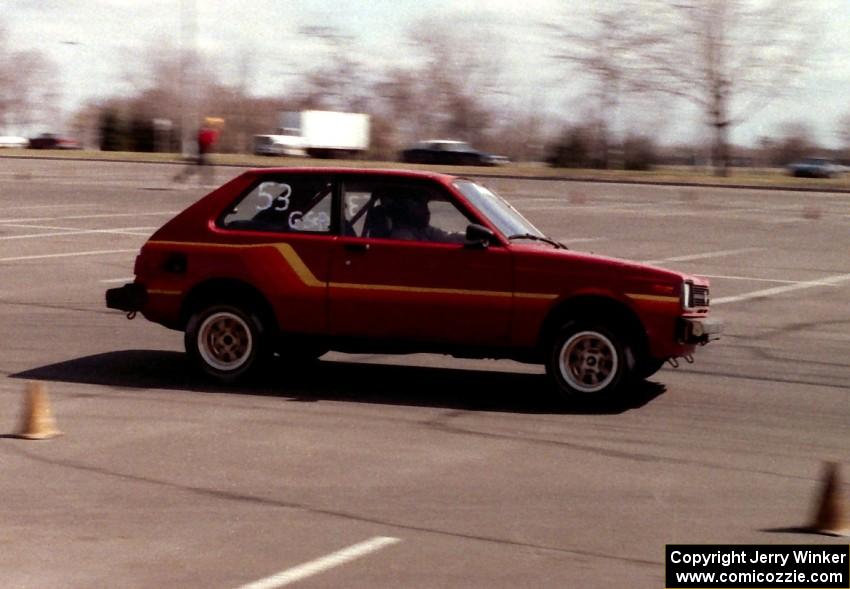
(445, 151)
(53, 141)
(815, 167)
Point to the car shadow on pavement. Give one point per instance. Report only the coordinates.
(333, 380)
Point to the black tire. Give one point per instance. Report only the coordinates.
(647, 367)
(301, 351)
(589, 361)
(226, 342)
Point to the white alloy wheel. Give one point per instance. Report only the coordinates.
(225, 341)
(588, 361)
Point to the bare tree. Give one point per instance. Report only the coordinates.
(339, 81)
(521, 132)
(83, 123)
(242, 122)
(728, 57)
(609, 46)
(154, 80)
(154, 92)
(458, 74)
(844, 132)
(28, 90)
(397, 100)
(796, 142)
(447, 88)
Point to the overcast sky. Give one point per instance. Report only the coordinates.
(93, 41)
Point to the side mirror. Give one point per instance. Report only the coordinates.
(478, 236)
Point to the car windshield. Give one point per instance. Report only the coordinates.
(506, 218)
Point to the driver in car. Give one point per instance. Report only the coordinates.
(411, 221)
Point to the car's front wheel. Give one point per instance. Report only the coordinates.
(588, 360)
(226, 342)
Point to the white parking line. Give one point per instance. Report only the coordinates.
(68, 231)
(752, 279)
(786, 221)
(100, 216)
(322, 564)
(580, 239)
(715, 254)
(767, 292)
(566, 204)
(68, 255)
(117, 280)
(666, 210)
(73, 206)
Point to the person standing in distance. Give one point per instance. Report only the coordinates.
(207, 137)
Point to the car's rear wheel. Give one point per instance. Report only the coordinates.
(226, 342)
(647, 367)
(588, 360)
(301, 351)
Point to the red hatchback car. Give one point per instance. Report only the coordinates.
(297, 262)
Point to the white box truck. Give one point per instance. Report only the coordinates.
(322, 133)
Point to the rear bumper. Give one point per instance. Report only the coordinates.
(699, 330)
(130, 297)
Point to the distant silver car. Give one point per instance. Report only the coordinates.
(279, 145)
(815, 167)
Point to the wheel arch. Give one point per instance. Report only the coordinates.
(610, 312)
(227, 290)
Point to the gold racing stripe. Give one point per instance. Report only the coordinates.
(535, 295)
(288, 253)
(284, 249)
(432, 290)
(653, 298)
(297, 264)
(421, 289)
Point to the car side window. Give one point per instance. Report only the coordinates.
(395, 209)
(285, 205)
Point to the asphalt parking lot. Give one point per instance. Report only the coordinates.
(412, 471)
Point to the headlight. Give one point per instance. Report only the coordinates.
(686, 295)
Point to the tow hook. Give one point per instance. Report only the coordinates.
(674, 362)
(131, 315)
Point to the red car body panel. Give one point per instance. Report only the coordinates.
(422, 291)
(436, 294)
(653, 294)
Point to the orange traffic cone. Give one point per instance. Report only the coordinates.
(37, 422)
(829, 513)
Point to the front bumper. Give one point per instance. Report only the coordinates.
(130, 297)
(699, 330)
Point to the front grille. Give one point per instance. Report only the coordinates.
(699, 296)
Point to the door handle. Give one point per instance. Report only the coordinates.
(356, 247)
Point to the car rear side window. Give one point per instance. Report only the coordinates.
(284, 205)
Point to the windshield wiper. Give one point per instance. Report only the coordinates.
(544, 239)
